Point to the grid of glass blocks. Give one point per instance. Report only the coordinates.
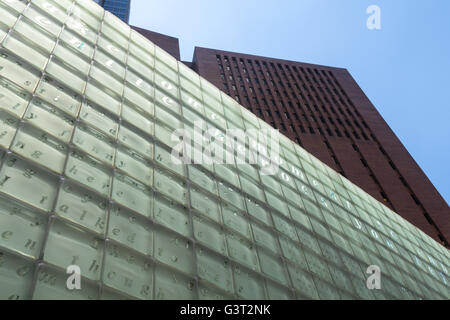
(87, 109)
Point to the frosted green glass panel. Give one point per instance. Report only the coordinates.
(26, 183)
(128, 272)
(171, 285)
(50, 120)
(82, 207)
(22, 229)
(8, 129)
(214, 269)
(89, 172)
(131, 230)
(174, 250)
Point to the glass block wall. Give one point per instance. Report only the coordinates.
(87, 109)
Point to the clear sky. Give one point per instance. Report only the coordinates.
(404, 68)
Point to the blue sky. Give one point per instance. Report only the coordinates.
(404, 68)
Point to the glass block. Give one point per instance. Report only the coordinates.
(86, 17)
(128, 272)
(143, 102)
(308, 240)
(65, 73)
(206, 205)
(318, 266)
(277, 204)
(191, 95)
(10, 68)
(265, 237)
(172, 216)
(59, 97)
(171, 285)
(226, 173)
(68, 245)
(236, 221)
(167, 102)
(142, 42)
(130, 230)
(247, 284)
(74, 41)
(202, 179)
(213, 104)
(341, 279)
(112, 49)
(132, 194)
(136, 142)
(164, 135)
(258, 211)
(22, 229)
(252, 189)
(242, 251)
(216, 119)
(164, 158)
(103, 97)
(303, 282)
(52, 285)
(167, 83)
(96, 118)
(82, 207)
(285, 227)
(140, 70)
(210, 234)
(67, 54)
(94, 143)
(134, 165)
(8, 129)
(292, 252)
(272, 184)
(138, 118)
(215, 269)
(14, 8)
(300, 217)
(273, 266)
(49, 25)
(320, 229)
(40, 148)
(9, 18)
(57, 12)
(231, 195)
(13, 99)
(210, 89)
(171, 187)
(174, 250)
(25, 51)
(169, 120)
(142, 80)
(50, 120)
(16, 275)
(110, 64)
(25, 182)
(115, 29)
(143, 55)
(89, 172)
